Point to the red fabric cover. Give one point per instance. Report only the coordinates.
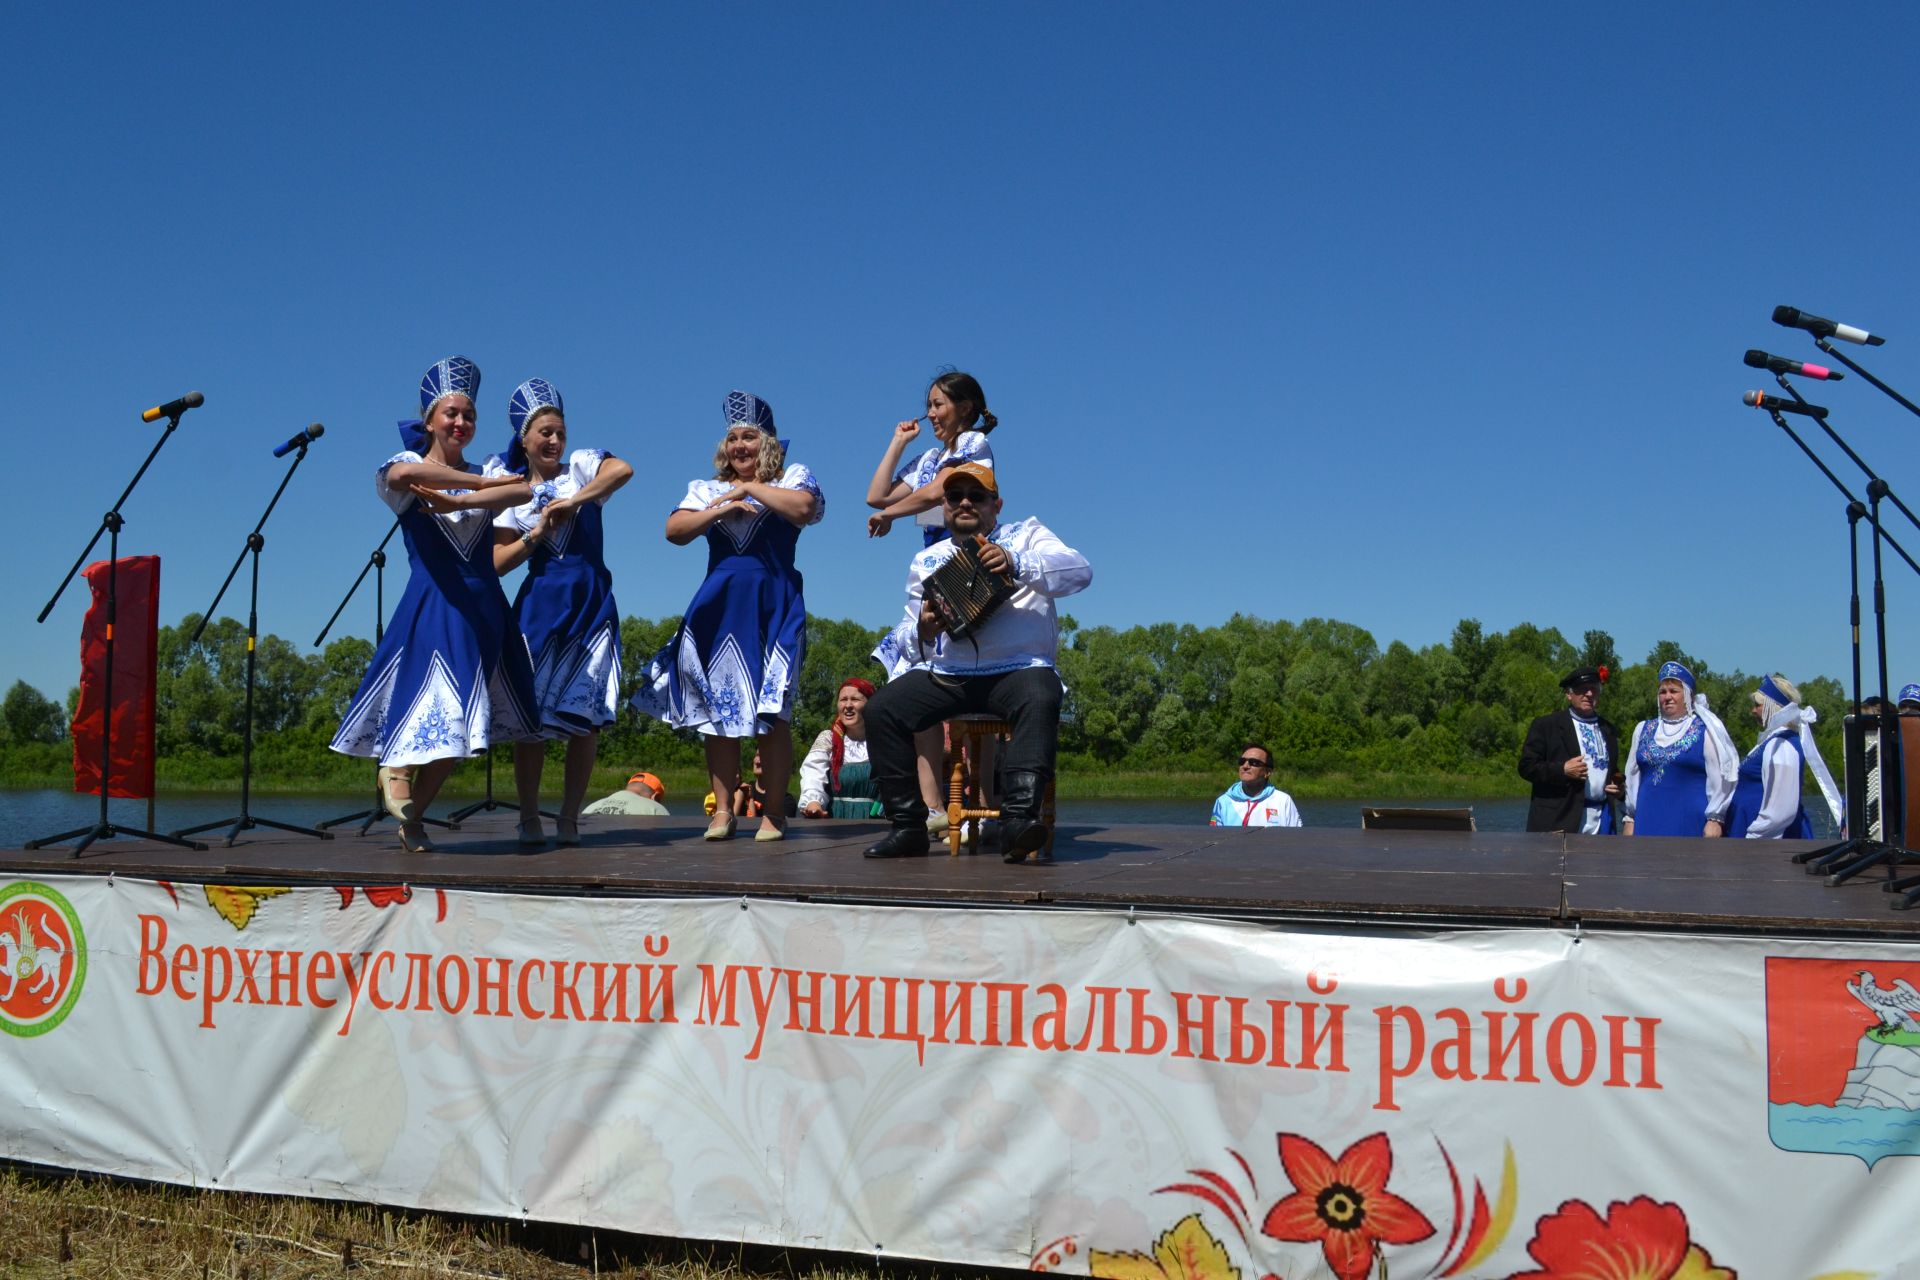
(136, 661)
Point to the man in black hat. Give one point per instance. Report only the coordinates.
(1570, 757)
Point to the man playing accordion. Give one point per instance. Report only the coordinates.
(1004, 667)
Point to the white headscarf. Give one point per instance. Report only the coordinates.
(1791, 715)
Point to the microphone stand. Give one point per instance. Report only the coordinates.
(378, 563)
(1895, 396)
(487, 804)
(1891, 848)
(1823, 858)
(1834, 436)
(1834, 854)
(110, 524)
(244, 820)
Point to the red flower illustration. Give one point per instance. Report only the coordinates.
(1640, 1239)
(1344, 1203)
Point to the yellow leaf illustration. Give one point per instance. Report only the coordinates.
(1187, 1251)
(237, 903)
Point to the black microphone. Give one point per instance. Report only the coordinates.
(174, 408)
(1779, 404)
(1794, 318)
(313, 432)
(1780, 364)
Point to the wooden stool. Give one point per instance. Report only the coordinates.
(968, 734)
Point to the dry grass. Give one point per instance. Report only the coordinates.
(62, 1227)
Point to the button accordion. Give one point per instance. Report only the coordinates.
(963, 592)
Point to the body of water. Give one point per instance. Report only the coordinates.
(34, 814)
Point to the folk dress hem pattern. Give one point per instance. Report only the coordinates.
(731, 668)
(450, 676)
(565, 608)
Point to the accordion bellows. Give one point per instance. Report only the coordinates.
(964, 592)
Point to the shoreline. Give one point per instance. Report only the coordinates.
(1073, 785)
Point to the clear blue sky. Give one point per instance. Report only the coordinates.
(1289, 311)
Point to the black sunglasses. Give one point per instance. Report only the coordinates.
(1256, 762)
(978, 497)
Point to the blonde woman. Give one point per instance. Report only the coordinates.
(731, 668)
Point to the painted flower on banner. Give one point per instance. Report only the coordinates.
(1343, 1204)
(1185, 1251)
(1640, 1239)
(237, 903)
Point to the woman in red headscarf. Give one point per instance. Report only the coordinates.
(835, 781)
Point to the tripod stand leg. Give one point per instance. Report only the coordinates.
(44, 841)
(1875, 855)
(288, 826)
(1825, 856)
(1825, 860)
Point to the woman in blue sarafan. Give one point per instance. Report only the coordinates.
(1766, 802)
(731, 668)
(564, 608)
(450, 676)
(1681, 766)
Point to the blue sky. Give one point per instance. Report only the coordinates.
(1396, 314)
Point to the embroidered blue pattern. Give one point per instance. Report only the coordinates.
(1592, 745)
(1654, 759)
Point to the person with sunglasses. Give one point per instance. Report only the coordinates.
(1004, 668)
(1253, 800)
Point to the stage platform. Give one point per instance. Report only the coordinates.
(1346, 875)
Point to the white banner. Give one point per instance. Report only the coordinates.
(1076, 1091)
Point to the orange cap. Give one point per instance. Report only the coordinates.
(651, 782)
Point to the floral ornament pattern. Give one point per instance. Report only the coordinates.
(1639, 1239)
(1185, 1251)
(236, 903)
(1343, 1204)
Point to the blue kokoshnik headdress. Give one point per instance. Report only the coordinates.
(456, 375)
(1908, 693)
(528, 399)
(745, 410)
(1674, 671)
(1773, 693)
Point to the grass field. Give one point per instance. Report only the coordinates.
(61, 1227)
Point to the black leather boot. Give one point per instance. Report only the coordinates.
(1023, 836)
(908, 814)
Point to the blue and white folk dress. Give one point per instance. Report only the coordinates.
(731, 668)
(450, 676)
(1676, 779)
(565, 607)
(968, 446)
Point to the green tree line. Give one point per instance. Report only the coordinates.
(1161, 699)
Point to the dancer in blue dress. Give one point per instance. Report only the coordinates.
(451, 674)
(731, 668)
(1681, 766)
(956, 405)
(1766, 800)
(565, 607)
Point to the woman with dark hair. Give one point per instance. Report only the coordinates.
(565, 607)
(731, 668)
(955, 406)
(451, 675)
(835, 778)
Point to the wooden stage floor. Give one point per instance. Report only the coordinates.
(1315, 873)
